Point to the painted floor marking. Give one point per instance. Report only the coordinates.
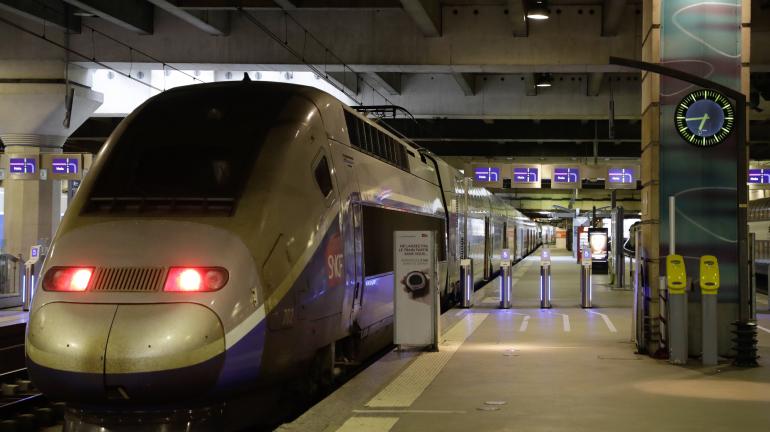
(565, 321)
(368, 424)
(408, 411)
(413, 381)
(606, 321)
(524, 324)
(763, 329)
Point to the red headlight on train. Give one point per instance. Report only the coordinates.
(195, 279)
(73, 279)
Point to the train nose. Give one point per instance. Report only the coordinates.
(137, 352)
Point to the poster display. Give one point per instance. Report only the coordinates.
(415, 284)
(597, 243)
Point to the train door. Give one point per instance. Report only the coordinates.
(351, 224)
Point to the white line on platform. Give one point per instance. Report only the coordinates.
(524, 324)
(413, 381)
(408, 411)
(368, 424)
(606, 321)
(763, 329)
(565, 321)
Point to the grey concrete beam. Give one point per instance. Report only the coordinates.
(216, 23)
(44, 11)
(594, 83)
(390, 82)
(347, 80)
(612, 16)
(426, 14)
(466, 83)
(517, 13)
(134, 15)
(285, 4)
(529, 84)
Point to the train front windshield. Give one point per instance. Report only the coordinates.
(191, 149)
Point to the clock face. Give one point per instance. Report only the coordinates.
(704, 118)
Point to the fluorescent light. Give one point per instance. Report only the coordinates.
(538, 10)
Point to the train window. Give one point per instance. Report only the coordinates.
(322, 177)
(187, 150)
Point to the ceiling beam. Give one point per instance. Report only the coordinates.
(134, 15)
(594, 83)
(612, 16)
(517, 13)
(466, 82)
(390, 82)
(285, 4)
(215, 23)
(44, 11)
(426, 14)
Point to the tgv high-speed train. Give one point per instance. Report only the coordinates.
(233, 236)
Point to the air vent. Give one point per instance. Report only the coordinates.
(128, 279)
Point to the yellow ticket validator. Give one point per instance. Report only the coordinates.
(709, 274)
(676, 274)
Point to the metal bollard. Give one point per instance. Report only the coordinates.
(466, 282)
(709, 286)
(29, 281)
(545, 279)
(505, 284)
(586, 287)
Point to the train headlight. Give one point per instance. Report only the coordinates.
(75, 279)
(195, 279)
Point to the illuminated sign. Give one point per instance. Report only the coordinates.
(566, 175)
(486, 174)
(620, 175)
(23, 165)
(526, 175)
(759, 176)
(65, 165)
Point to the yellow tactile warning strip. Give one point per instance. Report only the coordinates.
(410, 384)
(368, 424)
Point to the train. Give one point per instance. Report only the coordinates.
(759, 225)
(235, 236)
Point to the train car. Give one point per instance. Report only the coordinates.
(238, 236)
(759, 225)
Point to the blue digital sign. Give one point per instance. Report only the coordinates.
(23, 165)
(526, 175)
(620, 175)
(486, 174)
(65, 165)
(566, 175)
(759, 175)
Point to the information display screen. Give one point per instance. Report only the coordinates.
(23, 165)
(486, 174)
(759, 176)
(526, 175)
(65, 165)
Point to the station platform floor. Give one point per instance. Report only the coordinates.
(13, 316)
(527, 369)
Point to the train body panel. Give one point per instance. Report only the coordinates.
(295, 196)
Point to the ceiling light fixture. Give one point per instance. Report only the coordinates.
(538, 10)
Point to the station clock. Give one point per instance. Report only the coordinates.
(704, 118)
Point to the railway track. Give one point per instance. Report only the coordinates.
(22, 407)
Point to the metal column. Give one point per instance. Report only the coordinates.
(505, 284)
(545, 279)
(586, 287)
(466, 282)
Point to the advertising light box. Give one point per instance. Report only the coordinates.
(566, 178)
(525, 176)
(620, 178)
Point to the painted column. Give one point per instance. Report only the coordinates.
(710, 39)
(32, 121)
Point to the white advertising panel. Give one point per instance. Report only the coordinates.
(416, 297)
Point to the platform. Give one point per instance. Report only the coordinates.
(564, 369)
(13, 316)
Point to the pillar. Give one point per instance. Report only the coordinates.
(711, 40)
(33, 109)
